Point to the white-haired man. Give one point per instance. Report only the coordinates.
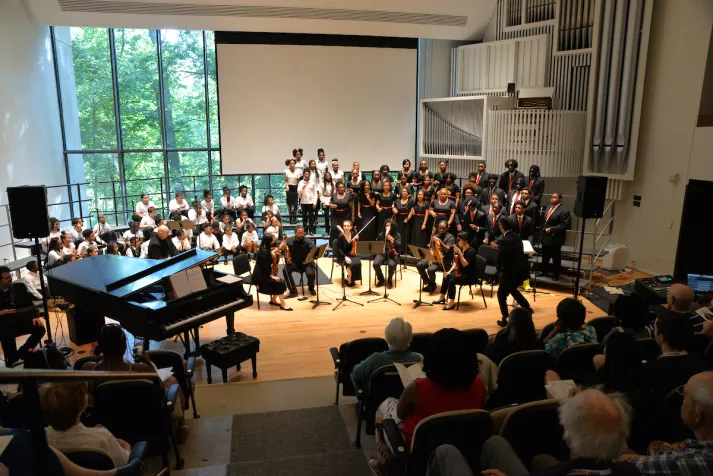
(596, 427)
(398, 336)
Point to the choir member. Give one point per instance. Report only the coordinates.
(445, 242)
(354, 183)
(492, 228)
(385, 171)
(507, 178)
(198, 216)
(149, 220)
(464, 260)
(366, 210)
(264, 279)
(402, 211)
(556, 222)
(439, 179)
(492, 189)
(299, 247)
(421, 173)
(313, 173)
(292, 177)
(88, 236)
(337, 175)
(536, 183)
(178, 207)
(307, 191)
(391, 238)
(249, 240)
(325, 191)
(481, 176)
(271, 225)
(207, 240)
(227, 204)
(268, 203)
(321, 165)
(473, 223)
(406, 171)
(452, 187)
(231, 242)
(180, 240)
(461, 207)
(55, 231)
(343, 252)
(419, 221)
(385, 205)
(403, 184)
(76, 230)
(515, 195)
(102, 230)
(68, 248)
(522, 224)
(356, 166)
(300, 163)
(142, 208)
(54, 254)
(377, 184)
(429, 191)
(342, 207)
(244, 202)
(444, 209)
(241, 224)
(208, 203)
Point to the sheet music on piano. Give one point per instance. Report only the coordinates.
(188, 281)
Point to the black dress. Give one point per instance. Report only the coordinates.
(386, 203)
(428, 194)
(261, 274)
(339, 214)
(404, 229)
(377, 188)
(368, 212)
(419, 237)
(354, 188)
(343, 248)
(443, 212)
(452, 191)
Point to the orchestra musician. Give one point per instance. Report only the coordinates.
(265, 273)
(507, 179)
(299, 247)
(345, 251)
(14, 323)
(556, 222)
(390, 255)
(462, 271)
(442, 244)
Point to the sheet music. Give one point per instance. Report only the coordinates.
(187, 282)
(527, 247)
(229, 279)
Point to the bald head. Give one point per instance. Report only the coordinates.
(697, 407)
(680, 297)
(595, 425)
(163, 232)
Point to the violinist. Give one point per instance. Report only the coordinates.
(462, 271)
(441, 246)
(392, 244)
(265, 275)
(298, 247)
(345, 251)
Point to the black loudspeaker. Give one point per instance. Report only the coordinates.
(84, 326)
(591, 193)
(694, 254)
(28, 211)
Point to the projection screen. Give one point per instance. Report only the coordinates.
(357, 103)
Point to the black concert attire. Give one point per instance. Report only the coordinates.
(411, 189)
(160, 249)
(409, 175)
(450, 281)
(377, 188)
(386, 202)
(403, 228)
(428, 272)
(343, 248)
(512, 265)
(262, 272)
(428, 194)
(513, 197)
(417, 176)
(492, 228)
(299, 249)
(453, 190)
(386, 257)
(477, 218)
(488, 192)
(482, 179)
(441, 178)
(532, 210)
(507, 180)
(419, 237)
(15, 325)
(367, 211)
(354, 188)
(522, 225)
(558, 221)
(537, 186)
(341, 213)
(443, 213)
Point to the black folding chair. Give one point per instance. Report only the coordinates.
(480, 266)
(521, 378)
(349, 355)
(182, 370)
(491, 271)
(576, 362)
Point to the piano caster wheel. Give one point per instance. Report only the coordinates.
(237, 367)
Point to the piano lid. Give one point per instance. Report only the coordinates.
(121, 276)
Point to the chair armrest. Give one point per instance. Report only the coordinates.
(190, 363)
(358, 388)
(136, 460)
(335, 357)
(138, 451)
(396, 440)
(171, 396)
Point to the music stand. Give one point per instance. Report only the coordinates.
(344, 297)
(423, 253)
(385, 297)
(366, 248)
(533, 253)
(314, 254)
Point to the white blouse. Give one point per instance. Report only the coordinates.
(208, 207)
(326, 190)
(230, 241)
(307, 192)
(293, 177)
(244, 202)
(227, 203)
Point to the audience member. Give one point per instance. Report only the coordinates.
(518, 335)
(398, 336)
(569, 330)
(632, 317)
(681, 300)
(62, 405)
(674, 366)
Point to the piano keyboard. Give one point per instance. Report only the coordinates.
(197, 317)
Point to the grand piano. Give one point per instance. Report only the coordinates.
(138, 294)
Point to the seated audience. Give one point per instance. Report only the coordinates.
(569, 330)
(398, 335)
(68, 247)
(518, 335)
(681, 300)
(595, 426)
(76, 230)
(112, 248)
(674, 366)
(102, 230)
(147, 233)
(92, 251)
(32, 281)
(132, 231)
(88, 241)
(62, 405)
(632, 317)
(231, 244)
(132, 249)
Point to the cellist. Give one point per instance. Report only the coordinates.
(442, 243)
(296, 250)
(462, 271)
(265, 275)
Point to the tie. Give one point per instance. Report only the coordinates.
(494, 220)
(519, 221)
(510, 186)
(472, 217)
(549, 213)
(531, 182)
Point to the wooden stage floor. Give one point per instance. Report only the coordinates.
(296, 344)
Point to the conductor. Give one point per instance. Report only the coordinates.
(512, 265)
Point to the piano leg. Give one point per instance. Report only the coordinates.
(197, 339)
(230, 324)
(254, 360)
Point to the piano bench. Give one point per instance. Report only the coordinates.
(230, 351)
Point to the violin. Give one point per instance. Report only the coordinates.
(459, 265)
(354, 243)
(275, 261)
(288, 255)
(391, 245)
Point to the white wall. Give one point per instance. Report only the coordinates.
(680, 34)
(30, 136)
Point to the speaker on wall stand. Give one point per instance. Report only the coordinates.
(589, 203)
(29, 219)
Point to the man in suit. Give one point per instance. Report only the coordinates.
(481, 176)
(531, 207)
(536, 183)
(487, 207)
(492, 189)
(473, 223)
(508, 178)
(492, 229)
(556, 222)
(515, 195)
(522, 224)
(161, 246)
(512, 266)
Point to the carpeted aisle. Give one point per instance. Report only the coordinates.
(306, 442)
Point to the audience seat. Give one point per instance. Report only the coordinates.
(477, 340)
(698, 345)
(534, 429)
(349, 355)
(467, 430)
(667, 422)
(116, 406)
(521, 378)
(419, 342)
(576, 362)
(650, 350)
(708, 356)
(241, 267)
(603, 325)
(546, 331)
(182, 370)
(99, 461)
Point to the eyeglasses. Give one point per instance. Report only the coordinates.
(679, 390)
